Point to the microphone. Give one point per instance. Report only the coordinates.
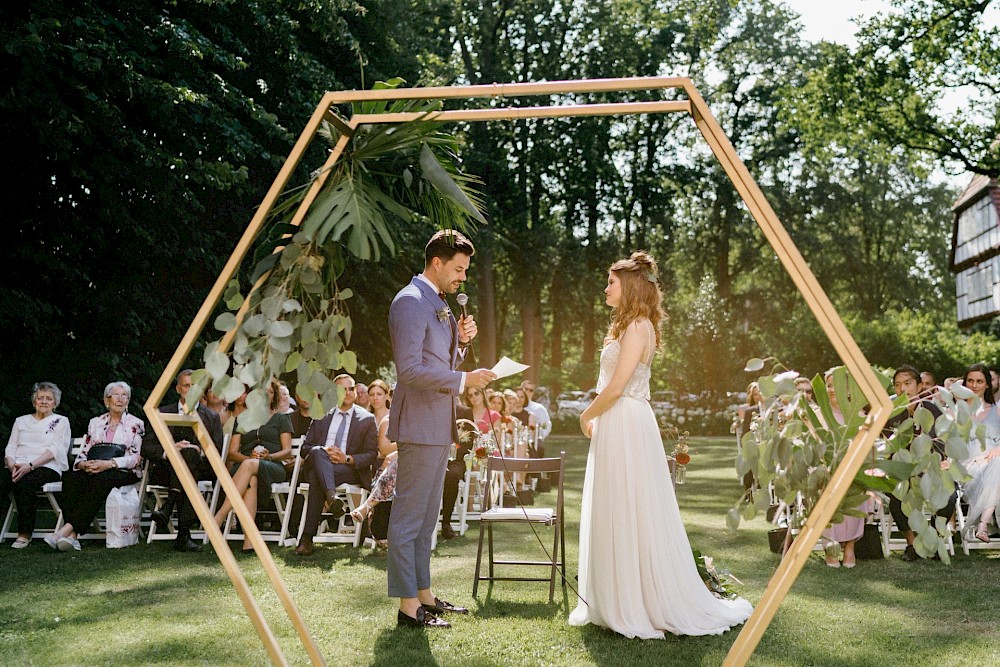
(463, 300)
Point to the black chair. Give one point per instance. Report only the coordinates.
(497, 470)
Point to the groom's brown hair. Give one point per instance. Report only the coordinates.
(447, 243)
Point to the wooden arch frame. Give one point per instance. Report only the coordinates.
(776, 235)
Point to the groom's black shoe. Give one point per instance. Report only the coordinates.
(441, 606)
(424, 619)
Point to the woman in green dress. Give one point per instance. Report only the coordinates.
(257, 457)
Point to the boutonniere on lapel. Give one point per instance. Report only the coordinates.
(443, 314)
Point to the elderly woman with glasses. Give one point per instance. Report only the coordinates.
(110, 458)
(36, 455)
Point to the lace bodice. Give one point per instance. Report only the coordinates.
(638, 384)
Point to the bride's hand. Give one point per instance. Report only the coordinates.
(587, 426)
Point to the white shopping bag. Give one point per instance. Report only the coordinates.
(122, 512)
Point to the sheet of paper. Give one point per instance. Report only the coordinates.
(507, 366)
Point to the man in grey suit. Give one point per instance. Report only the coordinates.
(427, 344)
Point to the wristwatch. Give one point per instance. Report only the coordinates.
(114, 464)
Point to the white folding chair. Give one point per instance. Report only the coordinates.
(281, 493)
(344, 530)
(970, 542)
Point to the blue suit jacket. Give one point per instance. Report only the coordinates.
(362, 441)
(425, 349)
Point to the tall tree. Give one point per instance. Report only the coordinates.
(140, 138)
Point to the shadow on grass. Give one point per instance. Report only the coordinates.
(326, 556)
(610, 648)
(489, 607)
(403, 646)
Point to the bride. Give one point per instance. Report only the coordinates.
(637, 573)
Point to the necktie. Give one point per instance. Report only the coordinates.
(441, 294)
(341, 430)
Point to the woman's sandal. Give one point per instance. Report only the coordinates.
(21, 543)
(361, 513)
(983, 533)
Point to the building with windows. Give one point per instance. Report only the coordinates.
(975, 251)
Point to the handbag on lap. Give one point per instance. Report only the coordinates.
(105, 452)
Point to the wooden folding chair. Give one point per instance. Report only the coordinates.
(497, 468)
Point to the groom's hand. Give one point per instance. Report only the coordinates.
(479, 378)
(467, 329)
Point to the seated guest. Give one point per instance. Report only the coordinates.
(238, 407)
(514, 403)
(363, 401)
(384, 486)
(983, 491)
(483, 416)
(161, 472)
(907, 382)
(543, 423)
(257, 458)
(216, 404)
(497, 405)
(284, 399)
(928, 385)
(380, 397)
(848, 531)
(300, 417)
(456, 471)
(111, 457)
(803, 385)
(36, 454)
(339, 449)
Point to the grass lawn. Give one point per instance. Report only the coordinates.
(148, 605)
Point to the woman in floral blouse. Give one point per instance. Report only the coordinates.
(109, 459)
(36, 455)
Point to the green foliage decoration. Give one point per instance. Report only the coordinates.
(796, 445)
(297, 322)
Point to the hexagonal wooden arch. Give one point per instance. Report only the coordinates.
(752, 196)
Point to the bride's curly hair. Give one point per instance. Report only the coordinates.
(641, 296)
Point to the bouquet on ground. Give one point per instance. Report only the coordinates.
(718, 581)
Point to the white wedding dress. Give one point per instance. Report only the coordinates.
(637, 572)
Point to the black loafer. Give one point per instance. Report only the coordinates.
(448, 533)
(441, 606)
(424, 619)
(334, 506)
(187, 545)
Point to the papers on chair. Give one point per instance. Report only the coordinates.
(507, 366)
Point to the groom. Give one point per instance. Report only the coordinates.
(427, 345)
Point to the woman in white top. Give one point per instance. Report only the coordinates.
(110, 458)
(982, 492)
(36, 454)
